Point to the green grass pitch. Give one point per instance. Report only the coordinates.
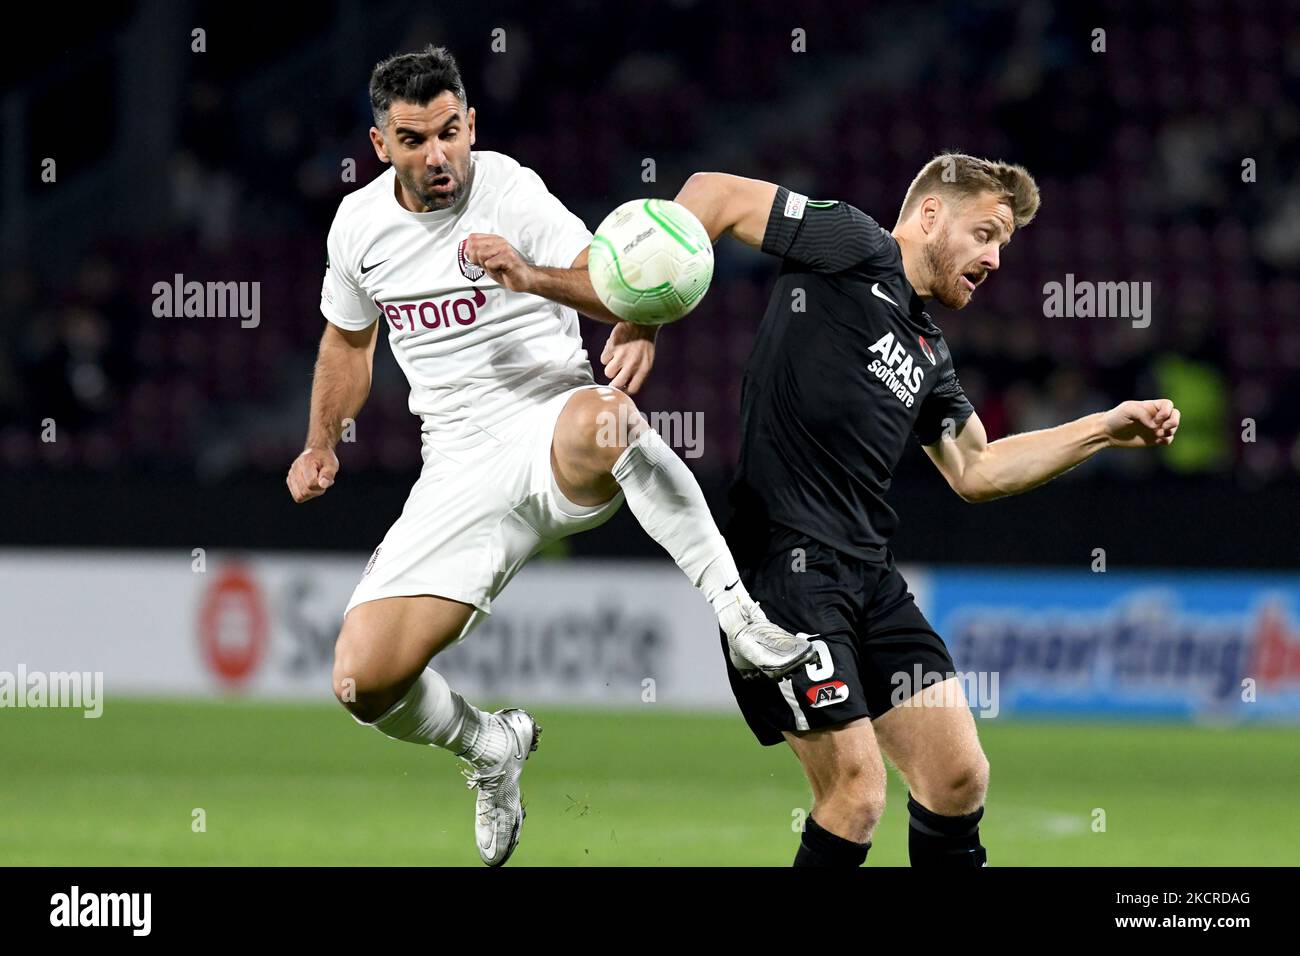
(295, 784)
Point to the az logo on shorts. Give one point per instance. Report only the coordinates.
(832, 692)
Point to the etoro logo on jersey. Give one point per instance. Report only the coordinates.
(897, 370)
(434, 314)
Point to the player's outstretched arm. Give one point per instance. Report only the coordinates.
(339, 388)
(980, 470)
(730, 205)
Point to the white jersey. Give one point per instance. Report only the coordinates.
(474, 353)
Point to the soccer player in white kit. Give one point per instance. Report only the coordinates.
(476, 271)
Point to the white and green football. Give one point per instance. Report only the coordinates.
(651, 261)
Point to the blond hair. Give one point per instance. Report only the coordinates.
(962, 178)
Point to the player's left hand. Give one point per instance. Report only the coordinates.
(1141, 424)
(501, 261)
(629, 355)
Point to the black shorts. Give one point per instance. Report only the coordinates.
(881, 647)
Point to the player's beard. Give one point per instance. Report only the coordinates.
(435, 200)
(945, 280)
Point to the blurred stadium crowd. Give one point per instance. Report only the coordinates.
(234, 175)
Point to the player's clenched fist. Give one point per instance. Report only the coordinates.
(1139, 424)
(501, 260)
(311, 474)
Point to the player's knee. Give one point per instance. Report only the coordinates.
(857, 794)
(365, 701)
(977, 782)
(960, 788)
(368, 708)
(970, 782)
(345, 685)
(348, 686)
(600, 424)
(362, 691)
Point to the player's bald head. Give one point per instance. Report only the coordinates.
(414, 78)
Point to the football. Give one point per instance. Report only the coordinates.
(651, 261)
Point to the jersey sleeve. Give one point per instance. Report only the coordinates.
(342, 300)
(946, 402)
(825, 236)
(548, 234)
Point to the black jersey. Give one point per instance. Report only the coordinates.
(845, 366)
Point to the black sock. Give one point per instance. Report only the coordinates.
(820, 847)
(953, 842)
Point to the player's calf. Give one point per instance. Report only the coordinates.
(822, 848)
(939, 840)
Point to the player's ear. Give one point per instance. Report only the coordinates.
(377, 139)
(931, 207)
(469, 122)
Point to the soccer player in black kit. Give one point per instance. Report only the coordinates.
(847, 363)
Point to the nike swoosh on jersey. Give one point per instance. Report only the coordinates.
(875, 290)
(366, 268)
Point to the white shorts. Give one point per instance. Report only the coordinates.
(468, 527)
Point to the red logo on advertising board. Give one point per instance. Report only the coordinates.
(233, 625)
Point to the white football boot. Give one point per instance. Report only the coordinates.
(499, 810)
(758, 647)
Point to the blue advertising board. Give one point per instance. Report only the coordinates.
(1137, 644)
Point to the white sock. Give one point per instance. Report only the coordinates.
(432, 713)
(667, 501)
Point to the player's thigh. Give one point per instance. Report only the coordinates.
(843, 764)
(385, 643)
(931, 738)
